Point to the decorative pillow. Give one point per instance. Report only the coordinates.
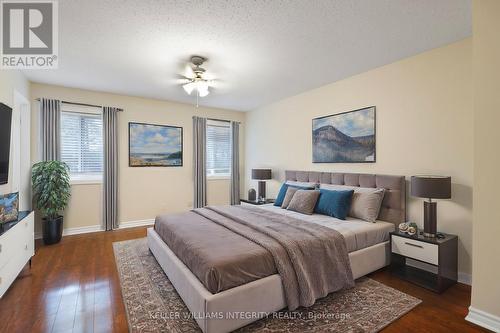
(281, 194)
(288, 196)
(304, 201)
(366, 201)
(366, 205)
(334, 203)
(303, 184)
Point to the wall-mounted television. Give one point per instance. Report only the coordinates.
(5, 125)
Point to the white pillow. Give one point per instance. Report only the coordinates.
(302, 184)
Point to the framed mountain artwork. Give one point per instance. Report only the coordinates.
(347, 137)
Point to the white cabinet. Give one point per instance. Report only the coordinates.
(17, 246)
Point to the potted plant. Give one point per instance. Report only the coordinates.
(51, 190)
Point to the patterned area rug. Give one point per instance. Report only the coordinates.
(153, 305)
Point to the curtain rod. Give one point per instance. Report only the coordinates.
(222, 120)
(82, 104)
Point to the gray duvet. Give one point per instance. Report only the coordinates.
(228, 246)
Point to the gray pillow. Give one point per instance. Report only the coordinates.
(366, 204)
(304, 201)
(288, 196)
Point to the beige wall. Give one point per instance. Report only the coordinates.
(10, 81)
(143, 192)
(486, 231)
(424, 117)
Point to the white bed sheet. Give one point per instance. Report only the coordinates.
(358, 234)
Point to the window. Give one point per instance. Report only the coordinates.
(81, 144)
(218, 149)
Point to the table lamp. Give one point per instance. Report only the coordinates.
(431, 187)
(261, 175)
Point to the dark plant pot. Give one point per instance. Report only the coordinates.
(52, 230)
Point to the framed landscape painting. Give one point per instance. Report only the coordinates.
(347, 137)
(154, 145)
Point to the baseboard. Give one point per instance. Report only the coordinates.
(82, 230)
(483, 319)
(465, 278)
(97, 228)
(138, 223)
(76, 231)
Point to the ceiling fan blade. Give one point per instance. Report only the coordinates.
(188, 72)
(183, 80)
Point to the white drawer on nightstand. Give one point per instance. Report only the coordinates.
(415, 249)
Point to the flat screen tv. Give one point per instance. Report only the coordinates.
(5, 124)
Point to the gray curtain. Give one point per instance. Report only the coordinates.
(200, 161)
(235, 163)
(50, 129)
(110, 172)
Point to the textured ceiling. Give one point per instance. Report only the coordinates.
(260, 51)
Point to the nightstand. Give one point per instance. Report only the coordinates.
(255, 202)
(440, 254)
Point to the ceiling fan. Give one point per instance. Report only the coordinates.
(195, 79)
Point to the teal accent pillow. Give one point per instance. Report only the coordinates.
(334, 203)
(281, 194)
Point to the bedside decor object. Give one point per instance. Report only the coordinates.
(439, 253)
(9, 207)
(252, 195)
(412, 230)
(347, 137)
(262, 175)
(431, 187)
(403, 227)
(51, 191)
(154, 145)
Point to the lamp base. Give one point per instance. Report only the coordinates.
(262, 190)
(430, 219)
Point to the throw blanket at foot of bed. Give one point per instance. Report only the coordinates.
(312, 260)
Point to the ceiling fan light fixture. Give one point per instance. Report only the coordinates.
(197, 82)
(189, 87)
(203, 92)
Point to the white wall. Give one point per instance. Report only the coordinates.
(424, 126)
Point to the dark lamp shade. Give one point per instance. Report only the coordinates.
(261, 174)
(433, 187)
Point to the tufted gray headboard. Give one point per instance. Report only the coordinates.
(394, 204)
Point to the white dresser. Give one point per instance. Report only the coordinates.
(17, 246)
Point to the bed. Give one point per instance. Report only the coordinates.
(225, 304)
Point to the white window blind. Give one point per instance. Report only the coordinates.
(218, 149)
(81, 144)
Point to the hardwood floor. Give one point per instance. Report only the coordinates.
(73, 286)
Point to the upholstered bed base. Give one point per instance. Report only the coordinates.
(248, 301)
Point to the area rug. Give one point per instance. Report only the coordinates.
(153, 305)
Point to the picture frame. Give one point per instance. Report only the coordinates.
(9, 207)
(346, 137)
(154, 145)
